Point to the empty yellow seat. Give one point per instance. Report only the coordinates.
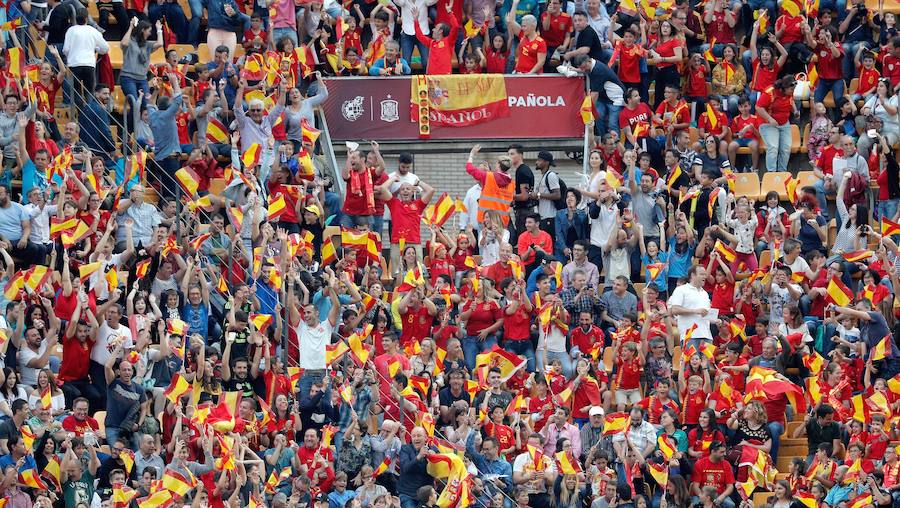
(747, 184)
(774, 181)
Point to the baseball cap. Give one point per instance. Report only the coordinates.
(547, 156)
(314, 209)
(596, 411)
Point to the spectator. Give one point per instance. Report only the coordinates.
(81, 46)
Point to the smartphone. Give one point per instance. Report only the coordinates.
(872, 133)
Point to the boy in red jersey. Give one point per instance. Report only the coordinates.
(868, 74)
(694, 401)
(745, 132)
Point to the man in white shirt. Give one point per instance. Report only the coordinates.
(35, 355)
(470, 218)
(40, 211)
(110, 333)
(313, 335)
(690, 304)
(536, 478)
(82, 45)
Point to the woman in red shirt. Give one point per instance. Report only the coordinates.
(765, 65)
(517, 321)
(667, 55)
(774, 108)
(532, 51)
(496, 55)
(829, 57)
(483, 317)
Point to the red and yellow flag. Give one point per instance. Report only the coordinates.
(188, 180)
(615, 423)
(838, 292)
(178, 388)
(882, 349)
(250, 158)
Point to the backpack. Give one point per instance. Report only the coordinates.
(560, 203)
(855, 192)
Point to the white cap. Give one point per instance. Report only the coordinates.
(595, 411)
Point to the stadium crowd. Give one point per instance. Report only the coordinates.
(194, 313)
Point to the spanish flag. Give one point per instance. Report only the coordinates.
(85, 271)
(15, 58)
(710, 113)
(587, 110)
(188, 180)
(517, 405)
(30, 478)
(294, 374)
(58, 225)
(176, 482)
(112, 278)
(659, 472)
(567, 464)
(806, 499)
(893, 384)
(310, 134)
(813, 391)
(360, 353)
(12, 288)
(261, 321)
(666, 446)
(141, 269)
(727, 253)
(80, 232)
(12, 25)
(863, 500)
(858, 256)
(178, 388)
(334, 352)
(673, 176)
(28, 437)
(122, 495)
(52, 472)
(791, 186)
(250, 158)
(791, 7)
(507, 362)
(177, 327)
(46, 398)
(216, 132)
(839, 293)
(236, 217)
(882, 349)
(708, 54)
(444, 208)
(385, 464)
(411, 280)
(127, 458)
(615, 423)
(889, 227)
(814, 362)
(36, 276)
(159, 499)
(277, 207)
(329, 255)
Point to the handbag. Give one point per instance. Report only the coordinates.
(801, 90)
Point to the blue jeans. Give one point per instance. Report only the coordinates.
(778, 146)
(887, 208)
(522, 348)
(835, 86)
(307, 379)
(472, 347)
(821, 195)
(131, 86)
(726, 503)
(196, 7)
(748, 63)
(775, 429)
(349, 221)
(608, 117)
(408, 502)
(407, 43)
(290, 33)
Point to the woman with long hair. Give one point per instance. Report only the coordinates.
(571, 225)
(136, 50)
(300, 108)
(884, 104)
(666, 54)
(794, 323)
(483, 317)
(423, 362)
(676, 493)
(46, 381)
(751, 428)
(597, 165)
(701, 436)
(568, 491)
(854, 230)
(729, 79)
(10, 391)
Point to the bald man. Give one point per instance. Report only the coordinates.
(413, 468)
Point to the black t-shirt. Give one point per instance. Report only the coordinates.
(244, 386)
(524, 176)
(599, 76)
(446, 397)
(501, 399)
(816, 434)
(588, 38)
(8, 429)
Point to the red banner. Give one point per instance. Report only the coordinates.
(539, 107)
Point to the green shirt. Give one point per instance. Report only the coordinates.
(79, 492)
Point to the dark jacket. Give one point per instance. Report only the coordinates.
(413, 472)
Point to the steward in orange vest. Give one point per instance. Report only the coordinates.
(497, 187)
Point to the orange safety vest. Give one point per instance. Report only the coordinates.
(496, 198)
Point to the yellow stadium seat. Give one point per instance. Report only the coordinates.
(203, 51)
(676, 357)
(185, 49)
(115, 55)
(765, 258)
(795, 139)
(774, 181)
(807, 178)
(238, 51)
(761, 498)
(158, 57)
(747, 184)
(694, 135)
(854, 84)
(828, 101)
